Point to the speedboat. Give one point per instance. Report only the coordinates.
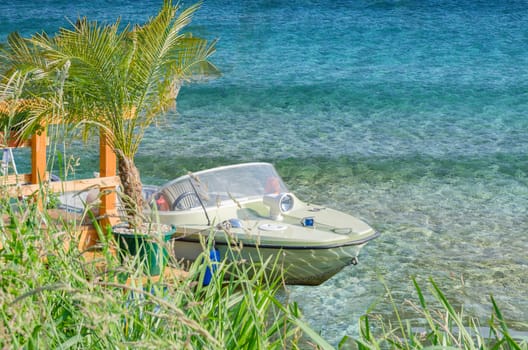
(249, 204)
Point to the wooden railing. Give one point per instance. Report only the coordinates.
(31, 184)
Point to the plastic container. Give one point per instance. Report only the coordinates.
(214, 256)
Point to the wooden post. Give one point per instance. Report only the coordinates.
(38, 162)
(107, 208)
(107, 167)
(38, 157)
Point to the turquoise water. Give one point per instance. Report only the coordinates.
(408, 114)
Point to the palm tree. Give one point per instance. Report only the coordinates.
(118, 80)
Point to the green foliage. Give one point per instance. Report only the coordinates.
(444, 328)
(54, 297)
(104, 76)
(14, 112)
(11, 122)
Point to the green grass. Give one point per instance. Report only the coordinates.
(441, 327)
(51, 298)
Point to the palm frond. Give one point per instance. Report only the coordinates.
(95, 54)
(19, 54)
(152, 61)
(192, 55)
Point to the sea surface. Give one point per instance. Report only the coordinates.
(409, 114)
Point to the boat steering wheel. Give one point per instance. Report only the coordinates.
(180, 204)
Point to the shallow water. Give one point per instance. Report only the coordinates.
(410, 115)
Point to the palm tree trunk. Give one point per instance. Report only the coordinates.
(132, 188)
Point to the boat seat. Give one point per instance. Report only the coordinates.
(182, 194)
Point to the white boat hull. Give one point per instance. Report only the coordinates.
(298, 265)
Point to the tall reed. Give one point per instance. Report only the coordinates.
(52, 297)
(442, 326)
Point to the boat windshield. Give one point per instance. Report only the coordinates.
(238, 182)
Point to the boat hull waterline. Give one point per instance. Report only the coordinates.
(300, 265)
